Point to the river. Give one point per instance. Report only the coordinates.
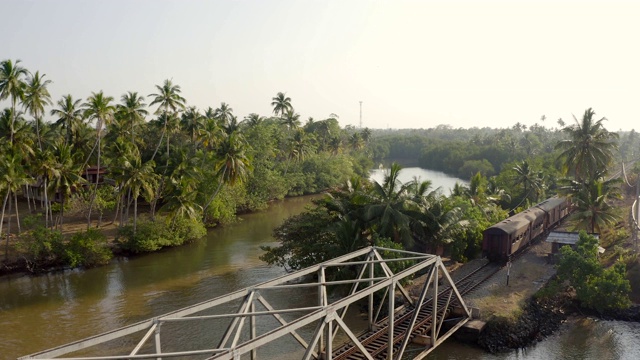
(439, 180)
(44, 311)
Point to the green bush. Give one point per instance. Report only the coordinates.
(155, 235)
(596, 287)
(87, 249)
(41, 247)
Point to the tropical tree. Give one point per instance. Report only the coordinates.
(69, 113)
(253, 119)
(66, 175)
(138, 177)
(281, 104)
(35, 98)
(591, 202)
(387, 213)
(99, 108)
(223, 114)
(168, 99)
(132, 110)
(15, 133)
(192, 123)
(590, 147)
(12, 178)
(530, 180)
(12, 84)
(43, 167)
(232, 164)
(291, 120)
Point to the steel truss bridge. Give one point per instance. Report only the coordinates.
(247, 320)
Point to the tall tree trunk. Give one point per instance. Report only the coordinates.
(62, 212)
(15, 199)
(135, 215)
(95, 190)
(25, 191)
(38, 133)
(4, 206)
(6, 247)
(204, 209)
(46, 203)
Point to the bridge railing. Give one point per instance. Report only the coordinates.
(369, 273)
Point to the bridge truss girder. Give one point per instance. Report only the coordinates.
(380, 270)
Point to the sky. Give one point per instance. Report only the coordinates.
(412, 64)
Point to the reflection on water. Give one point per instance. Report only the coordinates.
(438, 179)
(578, 339)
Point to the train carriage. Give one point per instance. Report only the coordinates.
(507, 237)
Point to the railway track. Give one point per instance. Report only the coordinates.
(465, 280)
(376, 342)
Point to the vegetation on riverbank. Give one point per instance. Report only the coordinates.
(189, 168)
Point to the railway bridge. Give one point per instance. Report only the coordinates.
(247, 323)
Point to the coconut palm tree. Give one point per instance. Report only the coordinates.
(291, 120)
(69, 113)
(12, 84)
(133, 110)
(168, 99)
(35, 98)
(66, 176)
(387, 212)
(252, 119)
(530, 180)
(591, 201)
(192, 123)
(43, 167)
(15, 133)
(232, 164)
(590, 147)
(12, 178)
(138, 177)
(281, 104)
(223, 114)
(99, 108)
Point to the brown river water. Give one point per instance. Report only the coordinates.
(41, 312)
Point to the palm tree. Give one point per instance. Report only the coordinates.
(167, 98)
(223, 114)
(253, 119)
(590, 200)
(138, 177)
(589, 148)
(12, 178)
(15, 133)
(232, 165)
(291, 120)
(43, 167)
(356, 142)
(281, 104)
(211, 134)
(36, 97)
(69, 115)
(386, 213)
(98, 107)
(192, 123)
(528, 178)
(12, 84)
(66, 176)
(132, 109)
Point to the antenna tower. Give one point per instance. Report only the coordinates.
(360, 114)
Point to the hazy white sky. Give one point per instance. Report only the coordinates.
(414, 64)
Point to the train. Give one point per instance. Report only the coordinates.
(506, 238)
